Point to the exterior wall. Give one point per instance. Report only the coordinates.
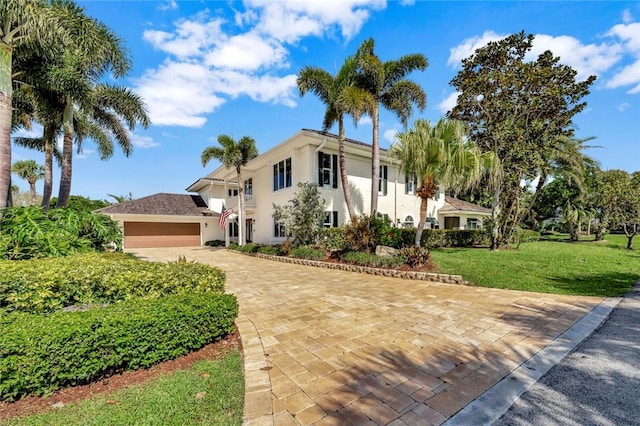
(464, 216)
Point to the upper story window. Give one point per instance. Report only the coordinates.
(282, 175)
(248, 188)
(330, 219)
(382, 182)
(408, 222)
(232, 192)
(327, 170)
(411, 184)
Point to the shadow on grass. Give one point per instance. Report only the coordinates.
(604, 284)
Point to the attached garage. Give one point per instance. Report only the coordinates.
(161, 234)
(165, 220)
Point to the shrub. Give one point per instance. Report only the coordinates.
(285, 248)
(333, 239)
(215, 243)
(233, 245)
(360, 234)
(45, 285)
(525, 236)
(415, 257)
(307, 253)
(30, 232)
(271, 250)
(40, 354)
(370, 259)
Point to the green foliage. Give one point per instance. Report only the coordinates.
(271, 250)
(333, 239)
(30, 232)
(304, 215)
(40, 354)
(307, 253)
(415, 257)
(371, 260)
(248, 248)
(233, 245)
(46, 285)
(360, 234)
(215, 243)
(525, 236)
(82, 204)
(433, 238)
(385, 234)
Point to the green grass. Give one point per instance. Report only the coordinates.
(584, 268)
(168, 400)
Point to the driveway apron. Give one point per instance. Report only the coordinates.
(329, 347)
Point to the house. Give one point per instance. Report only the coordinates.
(272, 178)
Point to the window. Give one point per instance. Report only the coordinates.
(437, 196)
(233, 192)
(408, 222)
(282, 175)
(233, 229)
(330, 219)
(280, 231)
(383, 216)
(473, 223)
(411, 184)
(248, 189)
(432, 222)
(327, 170)
(382, 183)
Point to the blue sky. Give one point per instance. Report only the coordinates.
(223, 67)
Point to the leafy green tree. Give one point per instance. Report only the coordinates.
(341, 96)
(30, 171)
(82, 204)
(121, 198)
(304, 216)
(619, 202)
(389, 87)
(438, 155)
(234, 154)
(518, 110)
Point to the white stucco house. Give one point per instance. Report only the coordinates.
(272, 178)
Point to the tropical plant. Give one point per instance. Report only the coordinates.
(518, 110)
(304, 215)
(30, 171)
(386, 82)
(619, 202)
(341, 96)
(438, 155)
(121, 198)
(234, 154)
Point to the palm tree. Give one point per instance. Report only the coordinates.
(32, 23)
(233, 154)
(30, 171)
(341, 96)
(438, 155)
(387, 84)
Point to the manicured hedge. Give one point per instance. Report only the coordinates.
(49, 284)
(42, 353)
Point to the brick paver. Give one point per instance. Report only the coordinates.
(329, 347)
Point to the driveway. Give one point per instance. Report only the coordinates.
(329, 347)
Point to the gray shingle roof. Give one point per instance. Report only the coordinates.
(162, 204)
(348, 140)
(453, 204)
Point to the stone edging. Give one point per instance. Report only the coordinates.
(412, 275)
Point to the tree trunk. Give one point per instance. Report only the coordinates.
(49, 140)
(67, 156)
(495, 216)
(630, 235)
(32, 189)
(240, 208)
(5, 124)
(375, 161)
(343, 170)
(423, 218)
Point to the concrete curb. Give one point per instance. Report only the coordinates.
(494, 402)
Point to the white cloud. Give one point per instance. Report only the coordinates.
(448, 103)
(84, 153)
(247, 52)
(191, 37)
(469, 46)
(626, 16)
(168, 5)
(629, 75)
(390, 135)
(35, 132)
(143, 142)
(365, 120)
(623, 106)
(407, 2)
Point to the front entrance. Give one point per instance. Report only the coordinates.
(249, 230)
(452, 222)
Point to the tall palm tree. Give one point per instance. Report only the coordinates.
(438, 155)
(233, 154)
(30, 171)
(387, 83)
(36, 24)
(341, 96)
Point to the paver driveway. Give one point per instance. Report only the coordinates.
(329, 347)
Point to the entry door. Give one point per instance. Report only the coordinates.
(451, 222)
(249, 230)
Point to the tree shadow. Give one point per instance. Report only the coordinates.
(604, 284)
(356, 198)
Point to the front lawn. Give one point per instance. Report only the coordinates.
(207, 393)
(603, 268)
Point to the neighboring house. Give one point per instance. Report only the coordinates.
(165, 220)
(171, 220)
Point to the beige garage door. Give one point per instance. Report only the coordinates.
(161, 234)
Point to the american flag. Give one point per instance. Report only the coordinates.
(224, 215)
